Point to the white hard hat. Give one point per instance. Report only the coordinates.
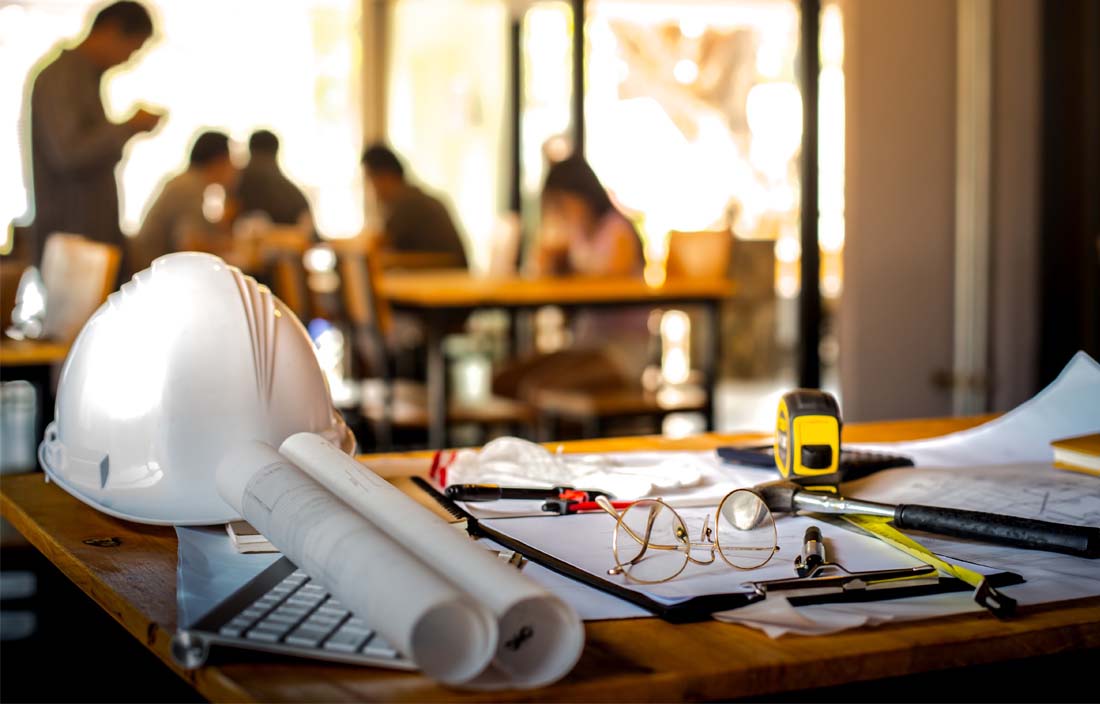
(187, 359)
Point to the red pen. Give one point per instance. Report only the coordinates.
(570, 507)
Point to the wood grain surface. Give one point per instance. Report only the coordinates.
(633, 660)
(22, 353)
(459, 289)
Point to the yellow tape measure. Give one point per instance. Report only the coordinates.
(985, 594)
(807, 433)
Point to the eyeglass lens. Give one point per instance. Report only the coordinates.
(651, 543)
(746, 534)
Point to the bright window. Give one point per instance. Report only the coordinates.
(232, 65)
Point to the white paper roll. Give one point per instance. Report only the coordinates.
(450, 636)
(540, 636)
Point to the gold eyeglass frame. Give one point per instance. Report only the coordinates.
(708, 538)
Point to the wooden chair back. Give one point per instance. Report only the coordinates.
(699, 255)
(366, 310)
(282, 249)
(78, 274)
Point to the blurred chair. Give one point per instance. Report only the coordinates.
(78, 274)
(698, 255)
(280, 251)
(10, 271)
(748, 321)
(390, 403)
(504, 246)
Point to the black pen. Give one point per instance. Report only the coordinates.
(813, 553)
(495, 492)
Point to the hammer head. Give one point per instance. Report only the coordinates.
(779, 494)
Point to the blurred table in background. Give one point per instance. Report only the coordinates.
(439, 296)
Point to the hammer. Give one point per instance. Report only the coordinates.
(786, 496)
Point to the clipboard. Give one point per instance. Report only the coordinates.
(698, 608)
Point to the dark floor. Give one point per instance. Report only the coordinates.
(1055, 678)
(77, 653)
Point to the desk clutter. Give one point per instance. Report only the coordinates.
(806, 542)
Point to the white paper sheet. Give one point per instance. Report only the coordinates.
(1001, 466)
(585, 542)
(1068, 406)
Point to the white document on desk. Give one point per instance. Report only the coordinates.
(1003, 466)
(584, 541)
(1068, 406)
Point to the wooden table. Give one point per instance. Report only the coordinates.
(28, 353)
(627, 660)
(439, 296)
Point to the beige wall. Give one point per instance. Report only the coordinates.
(1015, 201)
(896, 311)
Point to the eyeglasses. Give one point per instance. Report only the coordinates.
(651, 542)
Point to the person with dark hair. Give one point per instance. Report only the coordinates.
(265, 189)
(74, 147)
(176, 221)
(414, 221)
(582, 231)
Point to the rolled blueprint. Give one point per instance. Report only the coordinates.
(541, 637)
(450, 636)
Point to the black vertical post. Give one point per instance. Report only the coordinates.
(578, 76)
(809, 300)
(515, 60)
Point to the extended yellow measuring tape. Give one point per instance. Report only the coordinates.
(985, 594)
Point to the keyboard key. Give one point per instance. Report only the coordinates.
(281, 618)
(379, 648)
(307, 637)
(296, 612)
(300, 602)
(265, 635)
(235, 627)
(321, 621)
(346, 641)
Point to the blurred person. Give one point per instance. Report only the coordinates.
(264, 188)
(176, 221)
(582, 233)
(414, 221)
(74, 147)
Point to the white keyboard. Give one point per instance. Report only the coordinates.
(283, 611)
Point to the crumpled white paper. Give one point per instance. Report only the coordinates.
(516, 462)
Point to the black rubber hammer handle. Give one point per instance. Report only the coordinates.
(1082, 541)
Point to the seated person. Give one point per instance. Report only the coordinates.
(414, 221)
(583, 234)
(264, 188)
(176, 221)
